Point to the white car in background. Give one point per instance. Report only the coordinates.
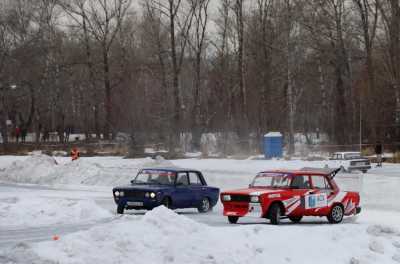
(348, 162)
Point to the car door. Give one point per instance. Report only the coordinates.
(197, 188)
(301, 187)
(321, 192)
(183, 196)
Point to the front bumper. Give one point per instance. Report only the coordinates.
(242, 209)
(360, 168)
(145, 203)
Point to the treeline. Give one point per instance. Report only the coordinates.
(155, 69)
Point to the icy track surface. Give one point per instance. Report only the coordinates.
(41, 197)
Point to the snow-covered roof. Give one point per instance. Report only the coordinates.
(273, 134)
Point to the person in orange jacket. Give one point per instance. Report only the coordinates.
(74, 153)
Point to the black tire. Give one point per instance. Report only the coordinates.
(233, 219)
(120, 209)
(295, 219)
(364, 171)
(336, 214)
(167, 202)
(275, 213)
(205, 205)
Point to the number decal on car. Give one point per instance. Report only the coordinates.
(316, 200)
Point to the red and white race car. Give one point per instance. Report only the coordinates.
(289, 194)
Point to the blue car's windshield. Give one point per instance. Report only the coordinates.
(155, 177)
(274, 180)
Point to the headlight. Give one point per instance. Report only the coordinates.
(254, 199)
(226, 197)
(152, 195)
(116, 193)
(121, 193)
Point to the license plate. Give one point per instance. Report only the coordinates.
(135, 203)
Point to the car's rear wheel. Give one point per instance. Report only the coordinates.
(167, 202)
(336, 214)
(295, 219)
(205, 205)
(120, 208)
(233, 219)
(275, 214)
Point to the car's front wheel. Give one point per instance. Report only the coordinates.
(120, 209)
(167, 202)
(336, 214)
(295, 219)
(205, 205)
(233, 219)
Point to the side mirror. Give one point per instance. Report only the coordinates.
(250, 186)
(132, 181)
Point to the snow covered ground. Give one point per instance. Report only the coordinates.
(41, 197)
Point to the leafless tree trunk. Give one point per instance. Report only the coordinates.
(289, 81)
(197, 44)
(242, 115)
(368, 12)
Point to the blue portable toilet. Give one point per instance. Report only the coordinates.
(273, 145)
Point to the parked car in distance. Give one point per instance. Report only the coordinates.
(172, 187)
(292, 194)
(348, 162)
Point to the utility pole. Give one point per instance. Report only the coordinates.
(360, 126)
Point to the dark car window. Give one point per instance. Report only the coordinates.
(182, 178)
(274, 180)
(350, 156)
(300, 182)
(319, 182)
(194, 178)
(154, 176)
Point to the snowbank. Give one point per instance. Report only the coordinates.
(42, 169)
(162, 236)
(37, 211)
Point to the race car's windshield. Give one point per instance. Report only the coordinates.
(352, 156)
(155, 177)
(273, 180)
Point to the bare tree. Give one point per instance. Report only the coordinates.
(201, 17)
(369, 18)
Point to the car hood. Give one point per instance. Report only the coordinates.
(254, 191)
(143, 187)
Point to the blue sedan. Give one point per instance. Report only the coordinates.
(172, 187)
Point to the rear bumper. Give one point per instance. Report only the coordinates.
(360, 168)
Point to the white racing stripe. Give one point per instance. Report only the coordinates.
(293, 207)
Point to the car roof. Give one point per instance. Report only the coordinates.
(348, 152)
(171, 169)
(300, 172)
